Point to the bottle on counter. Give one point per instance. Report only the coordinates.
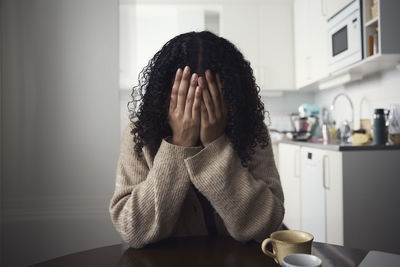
(376, 42)
(380, 135)
(394, 124)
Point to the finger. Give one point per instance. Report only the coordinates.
(219, 83)
(183, 87)
(204, 113)
(190, 96)
(175, 87)
(215, 95)
(197, 104)
(209, 105)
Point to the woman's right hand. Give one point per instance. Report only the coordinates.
(184, 109)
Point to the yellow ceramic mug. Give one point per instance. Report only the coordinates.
(287, 242)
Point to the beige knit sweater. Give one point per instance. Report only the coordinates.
(154, 197)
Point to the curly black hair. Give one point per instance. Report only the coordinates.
(245, 126)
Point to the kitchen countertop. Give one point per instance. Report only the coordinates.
(341, 147)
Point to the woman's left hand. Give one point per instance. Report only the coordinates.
(213, 110)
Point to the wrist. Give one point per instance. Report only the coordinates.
(207, 142)
(178, 142)
(204, 144)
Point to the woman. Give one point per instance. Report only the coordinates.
(196, 158)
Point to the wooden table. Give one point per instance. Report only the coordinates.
(198, 251)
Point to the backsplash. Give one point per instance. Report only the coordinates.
(279, 108)
(378, 91)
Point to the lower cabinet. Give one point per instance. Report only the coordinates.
(333, 187)
(312, 184)
(289, 168)
(348, 197)
(322, 194)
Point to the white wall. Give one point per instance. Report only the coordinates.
(60, 127)
(127, 44)
(280, 108)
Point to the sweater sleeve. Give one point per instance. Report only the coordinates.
(147, 200)
(249, 200)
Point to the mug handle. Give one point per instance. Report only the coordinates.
(265, 250)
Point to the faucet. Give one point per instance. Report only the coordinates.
(346, 130)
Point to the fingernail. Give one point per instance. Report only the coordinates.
(194, 77)
(178, 71)
(201, 81)
(186, 69)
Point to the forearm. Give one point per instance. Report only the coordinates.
(250, 206)
(145, 209)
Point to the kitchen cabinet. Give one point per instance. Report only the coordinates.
(239, 24)
(311, 42)
(331, 7)
(322, 194)
(333, 185)
(344, 195)
(312, 185)
(276, 53)
(313, 202)
(381, 34)
(263, 33)
(289, 168)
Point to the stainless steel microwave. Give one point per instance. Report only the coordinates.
(345, 37)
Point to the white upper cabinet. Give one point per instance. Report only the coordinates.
(331, 7)
(318, 36)
(303, 74)
(311, 42)
(263, 33)
(239, 24)
(276, 65)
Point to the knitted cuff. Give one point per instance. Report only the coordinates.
(179, 152)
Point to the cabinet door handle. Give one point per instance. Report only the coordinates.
(297, 163)
(325, 168)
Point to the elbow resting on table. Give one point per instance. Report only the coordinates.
(261, 230)
(133, 242)
(125, 226)
(132, 237)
